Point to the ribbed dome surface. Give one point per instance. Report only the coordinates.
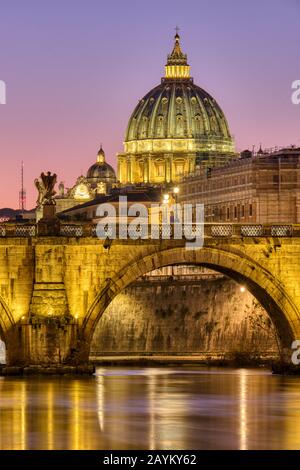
(102, 171)
(178, 109)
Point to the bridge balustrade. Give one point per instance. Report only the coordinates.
(282, 231)
(252, 231)
(25, 230)
(220, 230)
(165, 231)
(71, 230)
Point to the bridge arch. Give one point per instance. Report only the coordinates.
(268, 290)
(6, 322)
(6, 319)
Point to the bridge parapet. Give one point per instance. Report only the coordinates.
(163, 231)
(18, 230)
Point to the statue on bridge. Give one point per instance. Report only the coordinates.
(48, 222)
(45, 186)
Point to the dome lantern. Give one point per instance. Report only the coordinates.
(177, 66)
(101, 155)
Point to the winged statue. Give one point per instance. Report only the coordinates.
(45, 186)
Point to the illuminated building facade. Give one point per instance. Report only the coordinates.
(264, 188)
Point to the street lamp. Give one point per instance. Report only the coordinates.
(167, 200)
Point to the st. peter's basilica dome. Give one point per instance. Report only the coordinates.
(174, 127)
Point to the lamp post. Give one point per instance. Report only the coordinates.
(167, 200)
(176, 192)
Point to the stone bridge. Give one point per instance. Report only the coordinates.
(54, 289)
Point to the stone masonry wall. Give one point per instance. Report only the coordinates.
(172, 316)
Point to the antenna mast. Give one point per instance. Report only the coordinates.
(22, 193)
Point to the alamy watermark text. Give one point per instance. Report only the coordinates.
(2, 92)
(296, 93)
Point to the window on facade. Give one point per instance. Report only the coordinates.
(160, 170)
(243, 210)
(275, 179)
(235, 212)
(141, 170)
(228, 213)
(250, 210)
(179, 169)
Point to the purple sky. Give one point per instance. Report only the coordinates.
(75, 69)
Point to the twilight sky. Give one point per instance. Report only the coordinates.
(75, 69)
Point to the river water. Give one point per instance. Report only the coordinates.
(152, 408)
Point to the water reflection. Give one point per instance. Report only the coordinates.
(243, 410)
(152, 408)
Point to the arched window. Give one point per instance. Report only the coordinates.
(179, 124)
(179, 167)
(199, 126)
(160, 125)
(141, 170)
(144, 127)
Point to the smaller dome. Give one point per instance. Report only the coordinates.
(101, 171)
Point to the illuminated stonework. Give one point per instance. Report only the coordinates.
(82, 192)
(100, 178)
(175, 128)
(63, 285)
